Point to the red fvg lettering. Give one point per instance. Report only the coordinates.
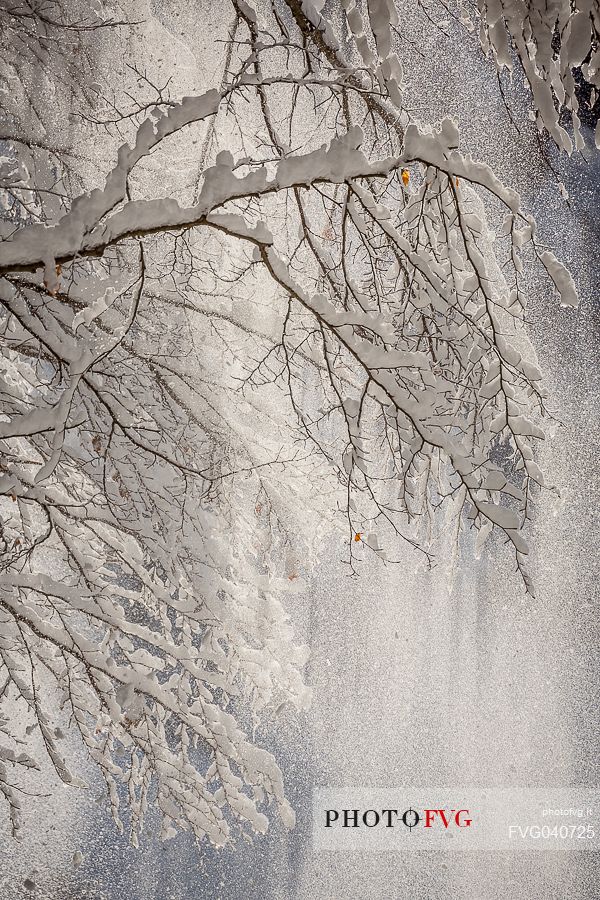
(454, 815)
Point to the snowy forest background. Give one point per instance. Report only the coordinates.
(276, 506)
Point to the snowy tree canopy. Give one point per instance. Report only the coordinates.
(558, 45)
(284, 307)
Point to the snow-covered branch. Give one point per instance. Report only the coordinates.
(333, 296)
(558, 46)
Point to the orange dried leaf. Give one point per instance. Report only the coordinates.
(405, 177)
(358, 536)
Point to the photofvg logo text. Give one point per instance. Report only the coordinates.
(358, 819)
(390, 818)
